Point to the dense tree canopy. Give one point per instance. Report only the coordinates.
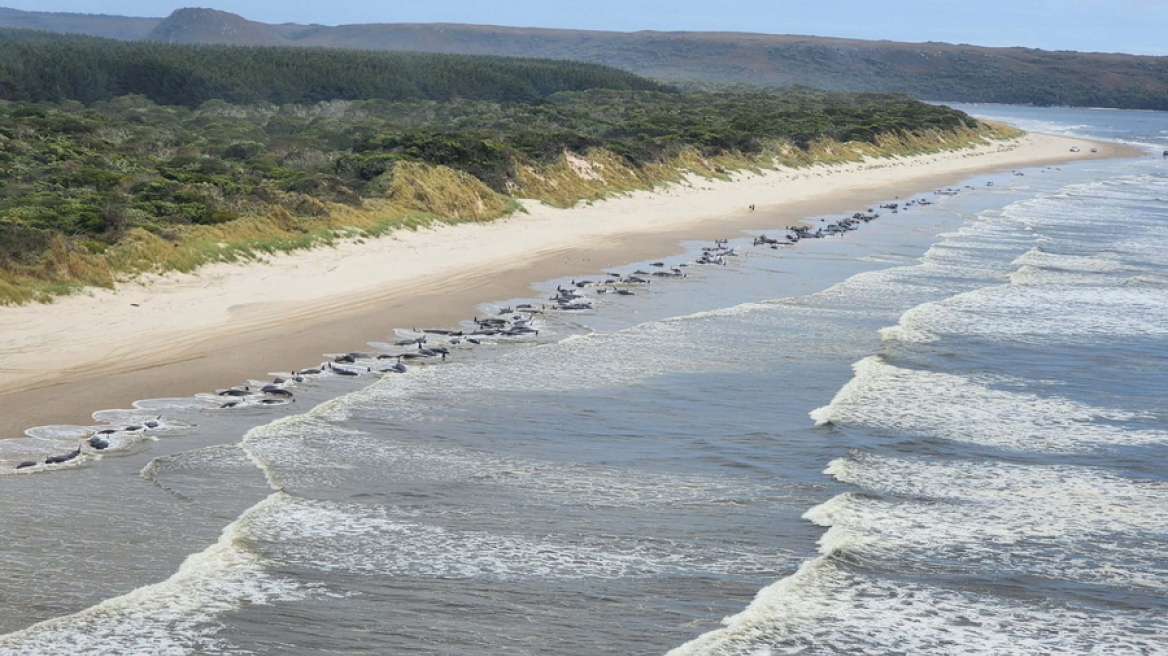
(43, 67)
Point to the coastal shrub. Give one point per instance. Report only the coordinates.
(133, 186)
(215, 217)
(244, 150)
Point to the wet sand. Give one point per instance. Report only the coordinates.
(179, 335)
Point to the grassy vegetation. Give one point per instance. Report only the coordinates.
(95, 194)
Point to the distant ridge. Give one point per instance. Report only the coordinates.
(933, 71)
(198, 25)
(111, 27)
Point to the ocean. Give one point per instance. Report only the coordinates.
(944, 433)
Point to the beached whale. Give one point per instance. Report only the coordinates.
(345, 372)
(235, 392)
(398, 368)
(56, 460)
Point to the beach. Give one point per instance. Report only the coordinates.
(178, 334)
(949, 421)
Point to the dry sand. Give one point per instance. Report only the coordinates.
(176, 335)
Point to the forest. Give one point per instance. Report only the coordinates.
(45, 67)
(932, 70)
(97, 190)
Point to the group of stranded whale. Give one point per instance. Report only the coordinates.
(98, 441)
(434, 345)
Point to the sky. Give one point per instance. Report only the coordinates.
(1132, 26)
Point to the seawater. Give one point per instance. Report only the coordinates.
(944, 433)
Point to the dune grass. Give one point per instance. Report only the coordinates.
(416, 195)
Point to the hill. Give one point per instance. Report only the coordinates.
(110, 27)
(935, 71)
(212, 26)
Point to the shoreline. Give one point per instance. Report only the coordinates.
(176, 335)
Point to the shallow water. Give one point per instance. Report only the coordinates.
(941, 434)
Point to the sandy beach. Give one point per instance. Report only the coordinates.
(176, 335)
